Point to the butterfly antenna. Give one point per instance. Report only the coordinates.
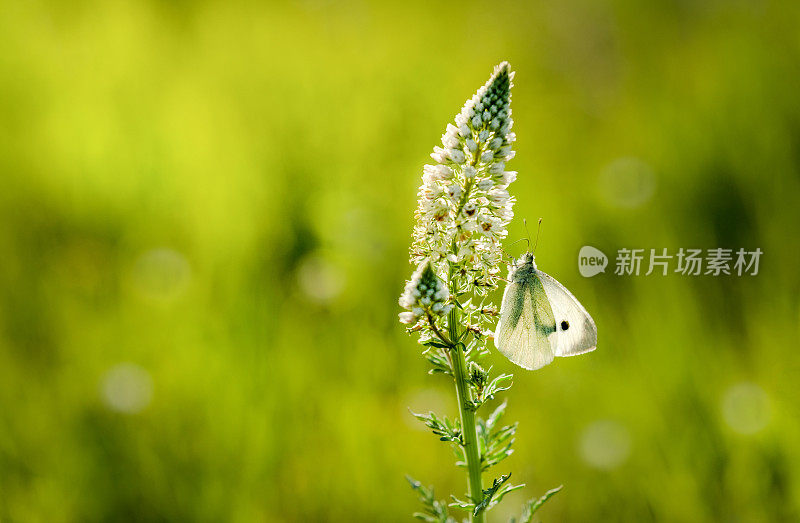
(527, 233)
(538, 230)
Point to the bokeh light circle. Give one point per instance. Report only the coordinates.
(605, 444)
(127, 388)
(627, 183)
(745, 408)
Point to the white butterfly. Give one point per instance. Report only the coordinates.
(541, 319)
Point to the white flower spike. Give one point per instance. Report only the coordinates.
(468, 179)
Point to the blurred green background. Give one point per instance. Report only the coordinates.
(205, 210)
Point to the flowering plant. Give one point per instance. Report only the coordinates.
(464, 209)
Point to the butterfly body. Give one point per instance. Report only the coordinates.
(541, 319)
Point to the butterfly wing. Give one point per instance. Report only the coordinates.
(575, 331)
(526, 323)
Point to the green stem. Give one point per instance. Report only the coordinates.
(468, 429)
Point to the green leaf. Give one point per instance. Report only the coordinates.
(483, 389)
(444, 428)
(496, 415)
(503, 491)
(435, 511)
(438, 360)
(436, 343)
(460, 503)
(533, 505)
(494, 494)
(495, 445)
